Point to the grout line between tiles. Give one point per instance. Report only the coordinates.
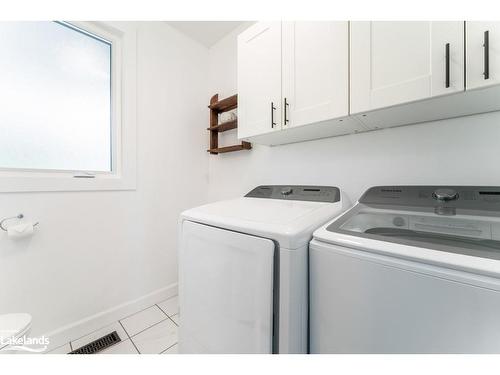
(151, 326)
(137, 312)
(161, 321)
(165, 311)
(173, 320)
(130, 338)
(169, 347)
(119, 321)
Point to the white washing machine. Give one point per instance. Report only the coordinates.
(243, 270)
(409, 269)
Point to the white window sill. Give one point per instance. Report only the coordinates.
(34, 182)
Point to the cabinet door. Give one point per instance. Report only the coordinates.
(483, 54)
(403, 61)
(315, 72)
(259, 79)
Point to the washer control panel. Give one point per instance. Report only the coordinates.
(444, 199)
(445, 194)
(329, 194)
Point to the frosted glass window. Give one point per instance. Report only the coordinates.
(55, 98)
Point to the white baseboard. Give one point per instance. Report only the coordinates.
(92, 323)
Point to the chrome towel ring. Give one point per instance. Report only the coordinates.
(20, 216)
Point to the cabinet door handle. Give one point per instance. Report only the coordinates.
(286, 115)
(273, 108)
(486, 46)
(447, 65)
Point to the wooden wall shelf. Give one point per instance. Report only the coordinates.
(224, 105)
(224, 126)
(221, 150)
(216, 107)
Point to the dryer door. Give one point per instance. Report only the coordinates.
(225, 291)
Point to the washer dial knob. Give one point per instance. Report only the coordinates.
(445, 194)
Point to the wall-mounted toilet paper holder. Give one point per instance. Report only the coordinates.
(20, 216)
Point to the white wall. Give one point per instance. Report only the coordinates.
(459, 151)
(96, 250)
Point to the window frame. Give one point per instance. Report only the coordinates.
(122, 176)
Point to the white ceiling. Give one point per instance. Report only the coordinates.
(206, 32)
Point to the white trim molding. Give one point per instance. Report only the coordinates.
(102, 319)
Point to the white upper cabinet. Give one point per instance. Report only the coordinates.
(404, 61)
(259, 79)
(305, 80)
(483, 54)
(315, 72)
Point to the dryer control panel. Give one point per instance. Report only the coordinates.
(329, 194)
(445, 198)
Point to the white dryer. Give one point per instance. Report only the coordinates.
(409, 269)
(243, 270)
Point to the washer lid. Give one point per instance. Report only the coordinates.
(468, 235)
(13, 325)
(462, 233)
(289, 222)
(455, 219)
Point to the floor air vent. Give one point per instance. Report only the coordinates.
(99, 344)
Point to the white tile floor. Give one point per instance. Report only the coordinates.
(150, 331)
